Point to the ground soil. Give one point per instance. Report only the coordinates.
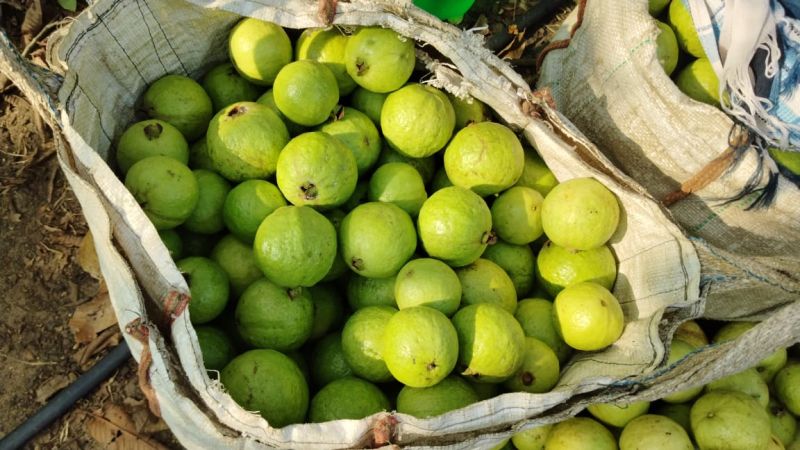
(43, 282)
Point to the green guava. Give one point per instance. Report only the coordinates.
(536, 174)
(768, 366)
(558, 267)
(206, 217)
(699, 81)
(535, 315)
(172, 240)
(486, 157)
(363, 239)
(517, 215)
(468, 111)
(532, 438)
(449, 394)
(238, 260)
(217, 348)
(588, 316)
(268, 99)
(517, 261)
(666, 48)
(691, 333)
(244, 140)
(199, 157)
(730, 420)
(165, 188)
(326, 46)
(347, 398)
(208, 284)
(428, 282)
(316, 169)
(151, 137)
(654, 432)
(420, 346)
(379, 59)
(677, 350)
(181, 102)
(618, 414)
(363, 292)
(269, 382)
(400, 184)
(747, 382)
(306, 92)
(580, 433)
(362, 342)
(328, 309)
(580, 214)
(782, 422)
(483, 281)
(225, 86)
(425, 166)
(417, 120)
(358, 133)
(270, 316)
(368, 102)
(680, 19)
(327, 360)
(259, 50)
(539, 371)
(455, 225)
(491, 342)
(247, 205)
(295, 246)
(787, 387)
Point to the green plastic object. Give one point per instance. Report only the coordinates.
(452, 10)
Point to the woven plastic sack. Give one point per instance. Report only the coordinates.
(609, 83)
(116, 48)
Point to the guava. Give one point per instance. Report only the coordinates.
(327, 360)
(486, 157)
(517, 215)
(618, 414)
(656, 7)
(420, 346)
(165, 188)
(379, 59)
(782, 422)
(484, 390)
(357, 133)
(491, 342)
(730, 420)
(580, 214)
(259, 50)
(536, 174)
(359, 195)
(347, 398)
(247, 205)
(699, 81)
(678, 412)
(363, 239)
(181, 102)
(269, 382)
(244, 140)
(363, 292)
(517, 261)
(326, 46)
(151, 137)
(580, 433)
(449, 394)
(270, 316)
(425, 166)
(316, 169)
(295, 246)
(207, 215)
(217, 348)
(400, 184)
(172, 240)
(787, 387)
(440, 180)
(588, 316)
(417, 120)
(654, 432)
(328, 309)
(666, 48)
(691, 333)
(339, 267)
(368, 102)
(747, 382)
(539, 370)
(428, 282)
(558, 267)
(306, 92)
(468, 111)
(208, 284)
(455, 225)
(680, 19)
(362, 342)
(225, 86)
(677, 350)
(535, 315)
(299, 358)
(768, 366)
(199, 157)
(532, 438)
(238, 261)
(268, 99)
(485, 282)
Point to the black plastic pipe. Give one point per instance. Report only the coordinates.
(63, 401)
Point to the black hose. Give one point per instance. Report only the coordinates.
(63, 401)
